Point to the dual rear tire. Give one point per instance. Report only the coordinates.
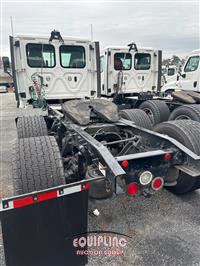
(138, 117)
(189, 112)
(36, 160)
(36, 164)
(31, 126)
(188, 134)
(157, 110)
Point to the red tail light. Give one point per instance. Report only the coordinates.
(157, 183)
(125, 163)
(167, 156)
(133, 189)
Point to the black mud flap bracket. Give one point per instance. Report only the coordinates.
(39, 228)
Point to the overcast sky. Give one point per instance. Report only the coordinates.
(170, 26)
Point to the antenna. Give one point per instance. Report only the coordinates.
(91, 28)
(11, 23)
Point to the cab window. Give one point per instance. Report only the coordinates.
(142, 61)
(72, 56)
(122, 61)
(171, 71)
(40, 55)
(192, 64)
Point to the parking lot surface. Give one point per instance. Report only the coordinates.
(162, 230)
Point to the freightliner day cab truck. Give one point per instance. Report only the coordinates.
(189, 78)
(73, 145)
(131, 77)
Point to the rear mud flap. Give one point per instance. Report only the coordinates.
(42, 234)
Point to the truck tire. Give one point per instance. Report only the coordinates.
(187, 133)
(190, 111)
(99, 189)
(36, 164)
(157, 110)
(31, 126)
(138, 117)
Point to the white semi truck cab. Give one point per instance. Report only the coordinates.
(59, 68)
(189, 78)
(130, 70)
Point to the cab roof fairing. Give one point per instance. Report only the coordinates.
(45, 38)
(126, 48)
(195, 52)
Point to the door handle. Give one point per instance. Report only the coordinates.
(195, 84)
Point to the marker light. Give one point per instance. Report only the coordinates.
(85, 186)
(157, 183)
(145, 178)
(133, 189)
(167, 156)
(125, 163)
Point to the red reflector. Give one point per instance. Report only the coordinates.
(22, 202)
(29, 200)
(47, 195)
(133, 189)
(157, 183)
(85, 186)
(125, 163)
(167, 156)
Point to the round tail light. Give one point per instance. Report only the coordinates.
(145, 178)
(133, 189)
(157, 183)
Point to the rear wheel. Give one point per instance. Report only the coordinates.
(36, 164)
(31, 126)
(157, 110)
(187, 133)
(138, 117)
(190, 111)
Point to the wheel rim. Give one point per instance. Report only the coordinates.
(149, 113)
(182, 117)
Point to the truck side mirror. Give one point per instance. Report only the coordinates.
(6, 64)
(182, 75)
